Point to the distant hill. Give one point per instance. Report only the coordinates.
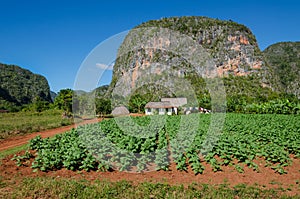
(53, 95)
(19, 86)
(284, 61)
(101, 91)
(191, 48)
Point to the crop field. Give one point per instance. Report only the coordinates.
(190, 156)
(138, 144)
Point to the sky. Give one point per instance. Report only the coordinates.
(55, 38)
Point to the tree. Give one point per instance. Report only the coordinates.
(137, 102)
(84, 104)
(63, 101)
(40, 105)
(103, 106)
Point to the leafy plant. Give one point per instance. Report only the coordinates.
(105, 145)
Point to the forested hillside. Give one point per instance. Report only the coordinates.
(19, 86)
(284, 61)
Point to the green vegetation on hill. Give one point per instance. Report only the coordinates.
(251, 78)
(277, 81)
(284, 61)
(246, 95)
(193, 25)
(20, 87)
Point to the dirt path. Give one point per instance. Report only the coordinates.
(23, 139)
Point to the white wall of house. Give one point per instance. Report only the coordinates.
(169, 112)
(175, 110)
(148, 111)
(161, 111)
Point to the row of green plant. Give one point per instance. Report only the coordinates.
(45, 187)
(187, 140)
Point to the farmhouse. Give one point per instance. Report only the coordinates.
(165, 106)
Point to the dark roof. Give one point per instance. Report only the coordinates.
(158, 105)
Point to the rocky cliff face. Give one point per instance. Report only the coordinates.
(160, 50)
(232, 46)
(284, 61)
(180, 57)
(19, 86)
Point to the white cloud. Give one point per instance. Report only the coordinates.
(105, 67)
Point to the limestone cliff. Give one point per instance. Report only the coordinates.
(189, 48)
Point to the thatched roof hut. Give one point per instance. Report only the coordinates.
(120, 111)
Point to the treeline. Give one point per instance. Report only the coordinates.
(70, 101)
(63, 101)
(66, 100)
(278, 106)
(246, 95)
(96, 102)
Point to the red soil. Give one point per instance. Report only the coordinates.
(266, 177)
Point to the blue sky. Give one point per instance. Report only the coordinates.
(53, 38)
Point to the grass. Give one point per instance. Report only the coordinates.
(46, 187)
(14, 150)
(20, 123)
